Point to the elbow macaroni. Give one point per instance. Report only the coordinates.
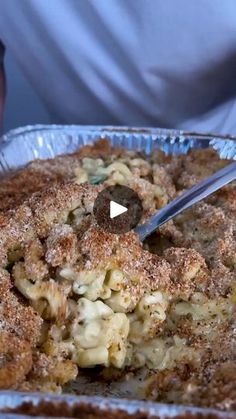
(99, 334)
(103, 329)
(94, 171)
(149, 313)
(49, 297)
(106, 332)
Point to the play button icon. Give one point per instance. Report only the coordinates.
(117, 209)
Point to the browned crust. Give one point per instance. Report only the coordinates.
(16, 360)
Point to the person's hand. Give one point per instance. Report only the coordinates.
(2, 84)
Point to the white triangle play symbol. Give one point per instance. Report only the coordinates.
(116, 209)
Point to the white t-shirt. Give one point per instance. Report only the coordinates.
(167, 63)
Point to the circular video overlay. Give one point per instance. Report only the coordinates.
(118, 209)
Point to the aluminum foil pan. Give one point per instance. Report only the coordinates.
(110, 408)
(22, 145)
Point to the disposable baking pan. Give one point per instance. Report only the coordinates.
(22, 145)
(17, 405)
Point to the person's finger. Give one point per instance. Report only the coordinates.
(2, 84)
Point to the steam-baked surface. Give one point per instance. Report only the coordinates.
(74, 296)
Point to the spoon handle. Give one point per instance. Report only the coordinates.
(193, 195)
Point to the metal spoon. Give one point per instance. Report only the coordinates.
(193, 195)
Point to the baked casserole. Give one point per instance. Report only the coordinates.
(74, 297)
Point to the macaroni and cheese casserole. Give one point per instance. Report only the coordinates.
(74, 297)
